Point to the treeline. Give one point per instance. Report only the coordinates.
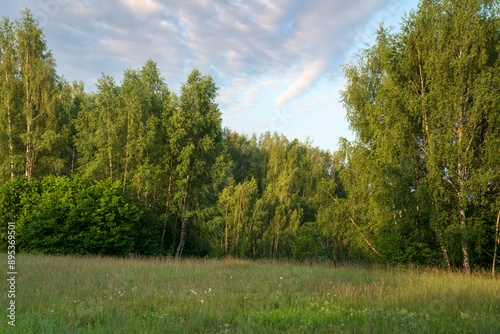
(198, 189)
(137, 168)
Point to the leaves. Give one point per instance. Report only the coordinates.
(419, 104)
(64, 216)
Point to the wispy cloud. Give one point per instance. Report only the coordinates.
(263, 54)
(308, 77)
(143, 6)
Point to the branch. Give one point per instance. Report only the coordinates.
(484, 250)
(422, 147)
(369, 244)
(471, 139)
(447, 179)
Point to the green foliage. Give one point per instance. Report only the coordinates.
(424, 105)
(419, 185)
(99, 132)
(69, 216)
(308, 244)
(34, 136)
(15, 195)
(401, 243)
(194, 139)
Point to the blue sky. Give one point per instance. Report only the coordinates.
(277, 63)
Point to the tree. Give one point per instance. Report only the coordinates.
(424, 103)
(132, 102)
(10, 95)
(236, 206)
(38, 80)
(144, 93)
(30, 91)
(99, 139)
(195, 128)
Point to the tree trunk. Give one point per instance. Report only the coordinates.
(446, 257)
(167, 208)
(238, 226)
(422, 93)
(11, 146)
(73, 161)
(127, 154)
(276, 243)
(162, 241)
(225, 246)
(462, 176)
(29, 120)
(9, 129)
(465, 251)
(109, 141)
(182, 240)
(174, 239)
(497, 241)
(30, 154)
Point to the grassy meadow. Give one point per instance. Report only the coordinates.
(57, 294)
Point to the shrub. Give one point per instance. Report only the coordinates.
(60, 215)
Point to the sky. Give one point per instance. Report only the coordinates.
(278, 64)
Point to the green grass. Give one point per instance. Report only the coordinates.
(106, 295)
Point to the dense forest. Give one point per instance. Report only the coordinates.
(137, 168)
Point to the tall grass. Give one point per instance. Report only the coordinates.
(58, 294)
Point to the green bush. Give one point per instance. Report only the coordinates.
(403, 243)
(60, 215)
(15, 195)
(307, 244)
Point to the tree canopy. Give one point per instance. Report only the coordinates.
(424, 105)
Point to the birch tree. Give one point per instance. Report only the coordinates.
(100, 137)
(196, 132)
(9, 102)
(38, 76)
(424, 103)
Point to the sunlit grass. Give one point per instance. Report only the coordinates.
(108, 295)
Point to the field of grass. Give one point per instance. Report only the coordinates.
(105, 295)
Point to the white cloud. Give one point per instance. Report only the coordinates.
(263, 54)
(143, 6)
(312, 72)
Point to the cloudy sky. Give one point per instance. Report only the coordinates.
(277, 62)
